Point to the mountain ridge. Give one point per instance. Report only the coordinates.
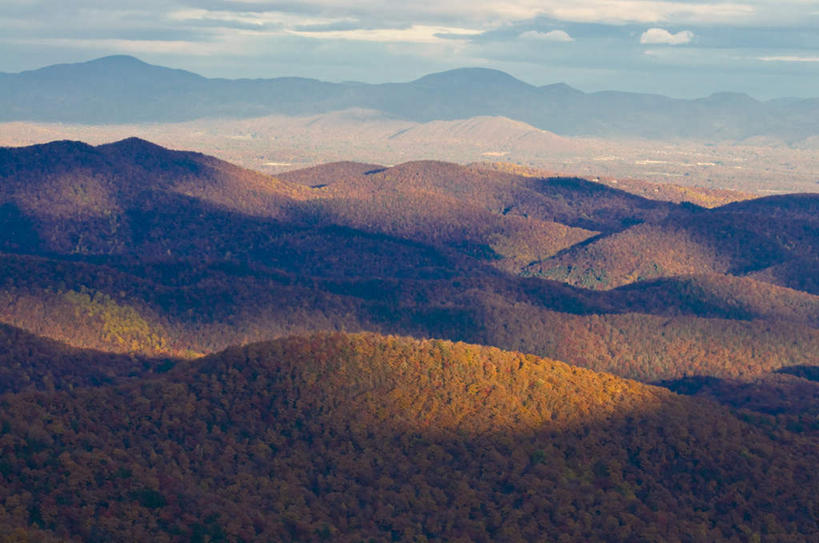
(124, 89)
(422, 248)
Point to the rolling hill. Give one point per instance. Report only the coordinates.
(195, 351)
(173, 309)
(132, 248)
(744, 238)
(342, 437)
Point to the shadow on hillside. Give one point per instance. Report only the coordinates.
(786, 391)
(29, 362)
(811, 373)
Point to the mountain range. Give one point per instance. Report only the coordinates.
(122, 89)
(133, 247)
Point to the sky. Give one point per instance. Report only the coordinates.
(683, 49)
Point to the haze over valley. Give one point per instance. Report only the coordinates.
(297, 123)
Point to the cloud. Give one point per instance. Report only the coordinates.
(787, 58)
(136, 47)
(552, 35)
(507, 11)
(250, 18)
(661, 36)
(647, 11)
(413, 34)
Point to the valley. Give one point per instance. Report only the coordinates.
(277, 143)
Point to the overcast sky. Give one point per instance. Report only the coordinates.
(679, 48)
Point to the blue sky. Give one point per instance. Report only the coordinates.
(679, 48)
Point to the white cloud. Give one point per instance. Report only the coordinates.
(649, 11)
(192, 48)
(788, 59)
(492, 13)
(552, 35)
(413, 34)
(251, 18)
(663, 36)
(427, 10)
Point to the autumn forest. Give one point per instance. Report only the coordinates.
(428, 351)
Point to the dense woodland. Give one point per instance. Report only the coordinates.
(337, 437)
(124, 264)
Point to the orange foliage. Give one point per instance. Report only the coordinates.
(355, 437)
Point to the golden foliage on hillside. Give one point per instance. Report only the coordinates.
(651, 347)
(689, 327)
(336, 437)
(716, 295)
(766, 238)
(440, 203)
(640, 253)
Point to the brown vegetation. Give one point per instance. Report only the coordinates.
(354, 437)
(189, 254)
(154, 256)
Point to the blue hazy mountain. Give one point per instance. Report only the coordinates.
(121, 89)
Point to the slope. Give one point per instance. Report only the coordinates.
(29, 362)
(356, 437)
(744, 238)
(412, 249)
(720, 296)
(517, 217)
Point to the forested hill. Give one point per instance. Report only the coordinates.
(29, 362)
(243, 383)
(132, 248)
(355, 437)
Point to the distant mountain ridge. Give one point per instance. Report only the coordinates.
(121, 89)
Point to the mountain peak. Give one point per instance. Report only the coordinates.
(731, 98)
(58, 146)
(561, 88)
(133, 144)
(109, 62)
(470, 76)
(113, 66)
(120, 60)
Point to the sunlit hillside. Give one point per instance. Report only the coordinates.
(353, 437)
